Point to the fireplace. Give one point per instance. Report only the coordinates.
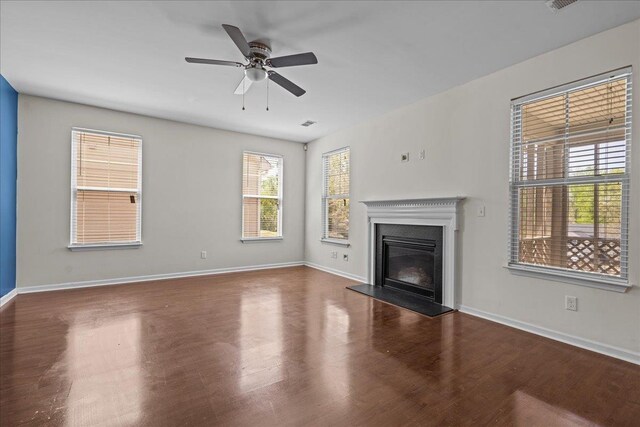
(439, 215)
(409, 258)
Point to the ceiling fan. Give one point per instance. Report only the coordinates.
(258, 55)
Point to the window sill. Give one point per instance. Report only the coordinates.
(106, 246)
(336, 242)
(259, 239)
(599, 282)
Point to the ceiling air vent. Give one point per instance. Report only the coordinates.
(556, 5)
(308, 123)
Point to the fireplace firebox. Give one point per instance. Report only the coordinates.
(409, 258)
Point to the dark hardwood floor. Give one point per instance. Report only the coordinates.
(287, 347)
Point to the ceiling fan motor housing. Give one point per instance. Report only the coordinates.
(259, 51)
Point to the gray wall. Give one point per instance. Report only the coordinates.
(191, 184)
(465, 132)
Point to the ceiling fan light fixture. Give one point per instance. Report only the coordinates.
(255, 74)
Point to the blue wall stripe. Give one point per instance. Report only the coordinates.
(8, 169)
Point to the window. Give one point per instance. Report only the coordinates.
(570, 157)
(261, 196)
(106, 189)
(335, 195)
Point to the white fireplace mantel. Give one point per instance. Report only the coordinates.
(439, 212)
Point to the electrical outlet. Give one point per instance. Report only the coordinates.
(334, 255)
(203, 254)
(404, 157)
(481, 211)
(345, 257)
(422, 154)
(571, 303)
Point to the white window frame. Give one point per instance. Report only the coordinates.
(279, 198)
(73, 245)
(589, 279)
(325, 206)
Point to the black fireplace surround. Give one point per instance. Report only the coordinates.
(409, 258)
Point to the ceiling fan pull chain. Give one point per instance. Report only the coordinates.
(267, 93)
(243, 91)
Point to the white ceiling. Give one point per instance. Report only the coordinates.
(373, 56)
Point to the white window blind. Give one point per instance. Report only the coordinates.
(261, 196)
(570, 168)
(335, 194)
(106, 188)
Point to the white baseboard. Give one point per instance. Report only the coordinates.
(606, 349)
(336, 272)
(135, 279)
(8, 297)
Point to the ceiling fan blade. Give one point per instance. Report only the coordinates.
(286, 83)
(293, 60)
(238, 38)
(242, 89)
(213, 62)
